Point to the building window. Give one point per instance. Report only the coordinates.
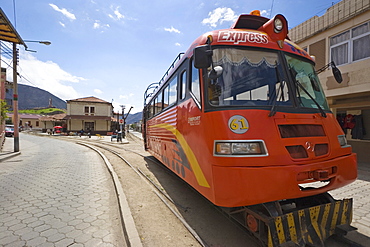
(37, 123)
(89, 110)
(351, 45)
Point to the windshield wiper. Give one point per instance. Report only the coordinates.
(281, 88)
(309, 95)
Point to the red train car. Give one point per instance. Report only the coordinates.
(242, 118)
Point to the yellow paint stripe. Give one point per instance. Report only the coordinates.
(202, 181)
(269, 241)
(292, 229)
(335, 217)
(324, 219)
(314, 214)
(280, 229)
(344, 219)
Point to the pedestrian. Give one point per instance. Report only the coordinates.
(119, 136)
(81, 132)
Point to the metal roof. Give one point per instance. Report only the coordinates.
(8, 32)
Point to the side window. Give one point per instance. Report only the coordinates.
(151, 109)
(166, 96)
(172, 91)
(195, 84)
(159, 102)
(183, 85)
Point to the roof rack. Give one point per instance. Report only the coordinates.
(156, 85)
(151, 87)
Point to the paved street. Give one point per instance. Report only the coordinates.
(56, 193)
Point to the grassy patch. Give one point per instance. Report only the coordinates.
(43, 111)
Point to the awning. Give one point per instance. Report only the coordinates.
(8, 32)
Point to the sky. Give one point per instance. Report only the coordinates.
(113, 49)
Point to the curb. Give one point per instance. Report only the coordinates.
(6, 156)
(128, 223)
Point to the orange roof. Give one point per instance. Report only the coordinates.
(89, 99)
(55, 117)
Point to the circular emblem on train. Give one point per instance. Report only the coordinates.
(238, 124)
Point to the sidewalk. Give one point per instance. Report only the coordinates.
(8, 150)
(63, 199)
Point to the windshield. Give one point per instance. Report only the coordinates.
(308, 87)
(256, 78)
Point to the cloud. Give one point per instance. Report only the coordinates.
(98, 91)
(126, 96)
(117, 107)
(116, 14)
(62, 24)
(65, 12)
(218, 16)
(98, 25)
(48, 76)
(177, 44)
(172, 30)
(264, 12)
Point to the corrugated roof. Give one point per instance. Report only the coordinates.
(8, 32)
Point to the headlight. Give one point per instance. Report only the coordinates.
(278, 25)
(342, 140)
(239, 148)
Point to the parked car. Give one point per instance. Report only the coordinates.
(9, 132)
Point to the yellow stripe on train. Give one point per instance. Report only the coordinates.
(201, 179)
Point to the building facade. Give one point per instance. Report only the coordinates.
(342, 35)
(89, 113)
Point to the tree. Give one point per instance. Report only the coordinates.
(3, 110)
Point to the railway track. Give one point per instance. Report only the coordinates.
(125, 157)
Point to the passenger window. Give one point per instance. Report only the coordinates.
(172, 91)
(195, 84)
(166, 97)
(151, 109)
(158, 103)
(183, 85)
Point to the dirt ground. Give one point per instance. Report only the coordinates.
(156, 224)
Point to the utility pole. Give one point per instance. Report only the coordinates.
(123, 114)
(15, 99)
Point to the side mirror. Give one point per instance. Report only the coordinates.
(336, 73)
(202, 57)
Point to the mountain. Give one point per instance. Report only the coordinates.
(32, 97)
(134, 118)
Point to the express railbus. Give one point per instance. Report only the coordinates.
(241, 116)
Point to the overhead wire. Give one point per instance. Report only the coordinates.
(272, 6)
(20, 76)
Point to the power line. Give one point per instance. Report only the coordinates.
(20, 76)
(15, 18)
(272, 6)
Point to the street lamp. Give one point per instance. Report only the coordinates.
(15, 93)
(40, 42)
